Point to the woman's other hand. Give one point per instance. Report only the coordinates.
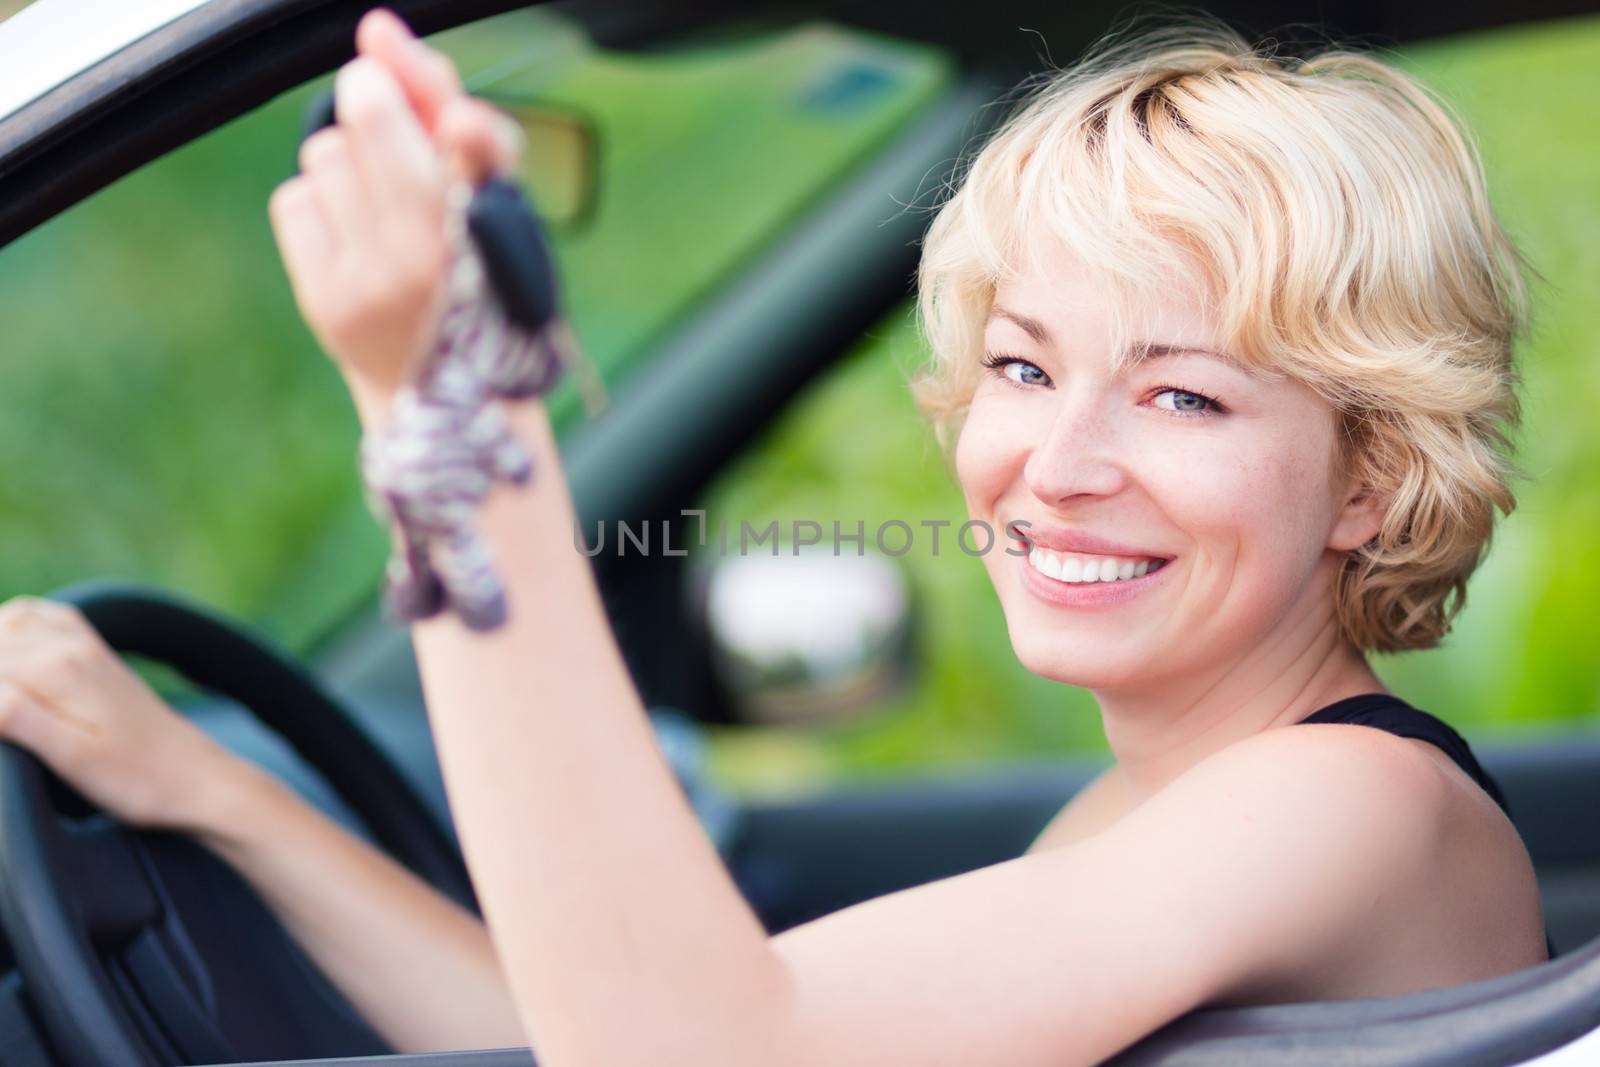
(365, 920)
(362, 228)
(69, 699)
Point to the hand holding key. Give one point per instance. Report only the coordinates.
(428, 281)
(362, 228)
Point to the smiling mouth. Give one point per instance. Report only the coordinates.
(1079, 568)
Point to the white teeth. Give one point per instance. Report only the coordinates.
(1086, 569)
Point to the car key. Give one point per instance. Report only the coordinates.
(511, 244)
(446, 440)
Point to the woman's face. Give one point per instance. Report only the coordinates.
(1226, 478)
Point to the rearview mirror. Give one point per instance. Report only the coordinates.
(561, 163)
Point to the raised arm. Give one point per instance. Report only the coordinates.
(623, 937)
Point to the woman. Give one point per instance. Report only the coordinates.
(1226, 345)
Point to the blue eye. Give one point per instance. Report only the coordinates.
(1184, 402)
(1187, 402)
(1017, 371)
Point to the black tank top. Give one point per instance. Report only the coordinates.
(1383, 711)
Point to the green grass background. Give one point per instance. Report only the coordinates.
(165, 415)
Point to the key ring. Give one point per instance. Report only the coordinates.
(447, 440)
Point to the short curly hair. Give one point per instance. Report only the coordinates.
(1335, 214)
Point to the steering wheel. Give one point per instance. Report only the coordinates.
(141, 949)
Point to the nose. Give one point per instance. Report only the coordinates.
(1078, 455)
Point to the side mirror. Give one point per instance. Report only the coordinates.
(808, 638)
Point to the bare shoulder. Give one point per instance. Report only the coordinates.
(1362, 863)
(1312, 781)
(1353, 764)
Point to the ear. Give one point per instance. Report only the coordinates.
(1360, 519)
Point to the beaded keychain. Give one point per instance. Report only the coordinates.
(447, 440)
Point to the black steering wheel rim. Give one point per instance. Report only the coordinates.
(51, 903)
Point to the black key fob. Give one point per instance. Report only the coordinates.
(503, 225)
(514, 252)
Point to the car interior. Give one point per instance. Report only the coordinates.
(124, 947)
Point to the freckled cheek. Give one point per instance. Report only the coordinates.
(1250, 520)
(989, 454)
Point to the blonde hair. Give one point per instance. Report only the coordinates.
(1334, 214)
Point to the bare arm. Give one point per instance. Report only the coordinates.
(623, 936)
(417, 966)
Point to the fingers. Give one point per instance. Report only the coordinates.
(344, 206)
(31, 723)
(49, 649)
(31, 615)
(399, 166)
(370, 190)
(479, 140)
(305, 241)
(362, 231)
(400, 96)
(428, 79)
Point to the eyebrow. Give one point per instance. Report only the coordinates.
(1142, 350)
